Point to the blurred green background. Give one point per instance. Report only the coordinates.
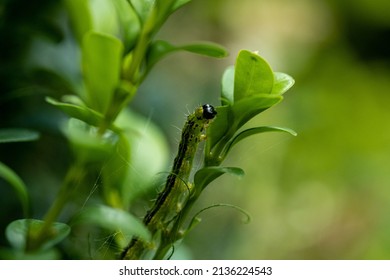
(324, 194)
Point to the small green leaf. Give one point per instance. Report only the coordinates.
(205, 48)
(159, 49)
(206, 175)
(245, 109)
(16, 182)
(253, 76)
(227, 94)
(256, 130)
(282, 83)
(101, 60)
(18, 231)
(79, 112)
(114, 220)
(8, 135)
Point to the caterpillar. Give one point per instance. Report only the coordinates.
(169, 202)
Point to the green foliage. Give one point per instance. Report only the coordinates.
(20, 231)
(117, 153)
(113, 220)
(248, 89)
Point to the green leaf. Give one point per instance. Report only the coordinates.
(159, 49)
(16, 182)
(104, 17)
(8, 135)
(79, 112)
(256, 130)
(253, 76)
(142, 8)
(149, 154)
(101, 60)
(87, 143)
(282, 83)
(219, 126)
(245, 109)
(129, 22)
(205, 48)
(227, 94)
(114, 174)
(113, 220)
(206, 175)
(18, 231)
(80, 16)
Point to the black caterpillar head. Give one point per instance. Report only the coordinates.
(209, 112)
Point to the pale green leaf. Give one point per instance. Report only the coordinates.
(114, 220)
(18, 231)
(282, 83)
(101, 60)
(227, 94)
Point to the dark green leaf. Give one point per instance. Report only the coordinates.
(101, 60)
(282, 83)
(253, 76)
(16, 182)
(206, 175)
(256, 130)
(8, 135)
(18, 230)
(114, 220)
(227, 94)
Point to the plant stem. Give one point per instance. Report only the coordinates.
(74, 176)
